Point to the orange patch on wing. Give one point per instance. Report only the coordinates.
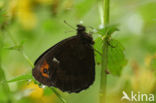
(45, 65)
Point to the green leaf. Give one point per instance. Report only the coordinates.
(109, 29)
(116, 57)
(21, 78)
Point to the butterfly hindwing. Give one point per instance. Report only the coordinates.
(76, 66)
(69, 65)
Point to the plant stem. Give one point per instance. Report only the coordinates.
(106, 12)
(58, 95)
(28, 59)
(104, 60)
(103, 72)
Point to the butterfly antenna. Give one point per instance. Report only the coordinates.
(69, 25)
(92, 30)
(90, 27)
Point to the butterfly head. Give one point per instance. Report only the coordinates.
(80, 28)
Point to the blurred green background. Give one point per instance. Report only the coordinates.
(36, 25)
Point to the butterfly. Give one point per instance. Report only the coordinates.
(69, 65)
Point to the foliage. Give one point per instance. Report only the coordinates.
(116, 56)
(29, 27)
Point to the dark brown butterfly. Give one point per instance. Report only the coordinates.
(69, 65)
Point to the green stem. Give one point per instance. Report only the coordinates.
(11, 37)
(58, 95)
(97, 52)
(28, 59)
(106, 12)
(104, 65)
(104, 60)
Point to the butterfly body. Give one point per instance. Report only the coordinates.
(69, 65)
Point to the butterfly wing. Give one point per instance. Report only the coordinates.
(70, 64)
(44, 61)
(76, 66)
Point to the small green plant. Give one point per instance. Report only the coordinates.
(112, 58)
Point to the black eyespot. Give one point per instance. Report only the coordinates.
(45, 70)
